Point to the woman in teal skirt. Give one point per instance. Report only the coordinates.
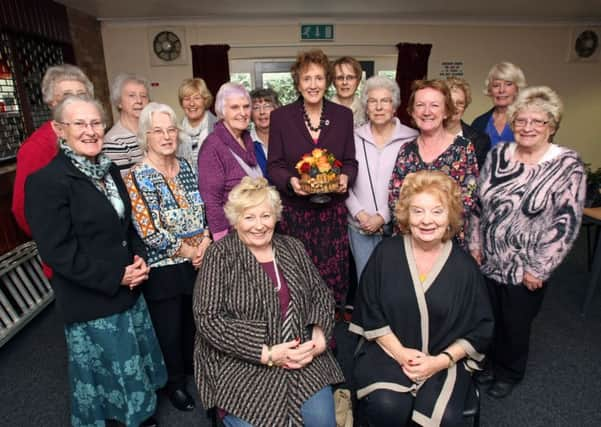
(80, 217)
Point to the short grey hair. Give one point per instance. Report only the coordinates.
(120, 80)
(505, 71)
(145, 122)
(539, 97)
(61, 73)
(225, 91)
(59, 110)
(381, 82)
(251, 192)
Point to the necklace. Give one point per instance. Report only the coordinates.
(277, 273)
(308, 120)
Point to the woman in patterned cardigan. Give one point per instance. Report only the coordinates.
(169, 217)
(532, 195)
(263, 316)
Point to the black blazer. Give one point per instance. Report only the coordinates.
(81, 237)
(481, 121)
(480, 140)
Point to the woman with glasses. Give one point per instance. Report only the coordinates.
(435, 148)
(462, 98)
(81, 219)
(195, 99)
(227, 155)
(264, 101)
(129, 95)
(347, 76)
(502, 84)
(532, 194)
(377, 144)
(169, 216)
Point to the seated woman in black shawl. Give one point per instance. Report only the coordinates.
(422, 311)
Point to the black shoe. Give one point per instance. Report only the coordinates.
(500, 389)
(181, 400)
(150, 422)
(484, 377)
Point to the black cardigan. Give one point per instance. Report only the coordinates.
(81, 237)
(480, 140)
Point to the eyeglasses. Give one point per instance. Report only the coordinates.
(384, 102)
(262, 107)
(348, 78)
(81, 126)
(160, 132)
(535, 123)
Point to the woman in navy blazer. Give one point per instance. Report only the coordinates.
(296, 129)
(80, 217)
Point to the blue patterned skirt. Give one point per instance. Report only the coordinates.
(115, 368)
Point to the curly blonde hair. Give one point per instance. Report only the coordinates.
(539, 97)
(251, 192)
(437, 184)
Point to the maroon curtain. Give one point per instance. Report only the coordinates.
(412, 64)
(210, 63)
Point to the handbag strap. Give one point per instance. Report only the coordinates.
(371, 184)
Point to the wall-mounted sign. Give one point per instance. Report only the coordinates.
(451, 69)
(317, 32)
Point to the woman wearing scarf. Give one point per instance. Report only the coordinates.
(80, 218)
(227, 155)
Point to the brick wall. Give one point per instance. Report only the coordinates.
(89, 54)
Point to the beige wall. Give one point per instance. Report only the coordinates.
(541, 51)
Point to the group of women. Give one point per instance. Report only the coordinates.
(453, 251)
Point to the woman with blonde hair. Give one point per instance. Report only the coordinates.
(532, 194)
(461, 94)
(195, 99)
(502, 85)
(422, 312)
(264, 317)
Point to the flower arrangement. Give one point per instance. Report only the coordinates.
(319, 171)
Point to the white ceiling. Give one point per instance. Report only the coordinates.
(506, 11)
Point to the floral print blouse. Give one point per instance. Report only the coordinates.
(458, 161)
(166, 211)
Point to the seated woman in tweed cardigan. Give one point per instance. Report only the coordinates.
(263, 317)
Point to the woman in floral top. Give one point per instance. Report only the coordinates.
(169, 216)
(430, 106)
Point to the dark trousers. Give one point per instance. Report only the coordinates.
(174, 326)
(387, 408)
(514, 309)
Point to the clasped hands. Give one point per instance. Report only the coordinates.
(294, 354)
(195, 253)
(419, 366)
(135, 273)
(370, 223)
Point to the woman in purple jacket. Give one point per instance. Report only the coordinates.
(314, 122)
(227, 155)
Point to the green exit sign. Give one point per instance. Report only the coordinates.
(317, 31)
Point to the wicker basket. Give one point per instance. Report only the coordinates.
(322, 183)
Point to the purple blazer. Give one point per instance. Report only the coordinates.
(289, 139)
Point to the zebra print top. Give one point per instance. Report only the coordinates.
(529, 215)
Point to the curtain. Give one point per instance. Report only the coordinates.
(412, 64)
(210, 63)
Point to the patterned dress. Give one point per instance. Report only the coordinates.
(459, 161)
(115, 366)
